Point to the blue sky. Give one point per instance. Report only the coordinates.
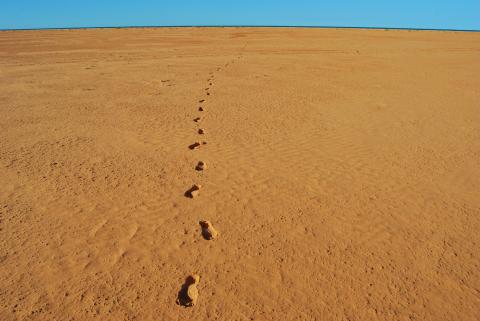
(440, 14)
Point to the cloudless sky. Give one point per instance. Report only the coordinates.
(439, 14)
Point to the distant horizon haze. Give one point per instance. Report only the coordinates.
(426, 14)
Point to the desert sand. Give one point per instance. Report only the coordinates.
(343, 174)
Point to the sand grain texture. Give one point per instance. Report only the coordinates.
(344, 174)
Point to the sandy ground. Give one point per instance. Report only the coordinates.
(343, 174)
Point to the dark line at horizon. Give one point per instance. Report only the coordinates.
(238, 26)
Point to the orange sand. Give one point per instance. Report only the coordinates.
(343, 174)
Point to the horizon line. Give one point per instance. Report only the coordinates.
(239, 26)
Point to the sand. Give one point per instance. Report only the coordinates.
(343, 174)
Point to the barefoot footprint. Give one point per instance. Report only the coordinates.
(208, 231)
(193, 191)
(194, 145)
(188, 295)
(201, 166)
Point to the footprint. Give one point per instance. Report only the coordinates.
(200, 108)
(194, 145)
(201, 166)
(95, 230)
(208, 94)
(208, 231)
(196, 119)
(201, 131)
(206, 89)
(188, 294)
(193, 191)
(201, 100)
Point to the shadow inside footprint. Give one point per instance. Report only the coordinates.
(194, 145)
(197, 119)
(201, 166)
(184, 297)
(193, 191)
(208, 231)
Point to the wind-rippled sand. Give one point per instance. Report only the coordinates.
(342, 172)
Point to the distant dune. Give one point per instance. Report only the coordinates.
(239, 174)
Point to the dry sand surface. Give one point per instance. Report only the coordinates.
(342, 174)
